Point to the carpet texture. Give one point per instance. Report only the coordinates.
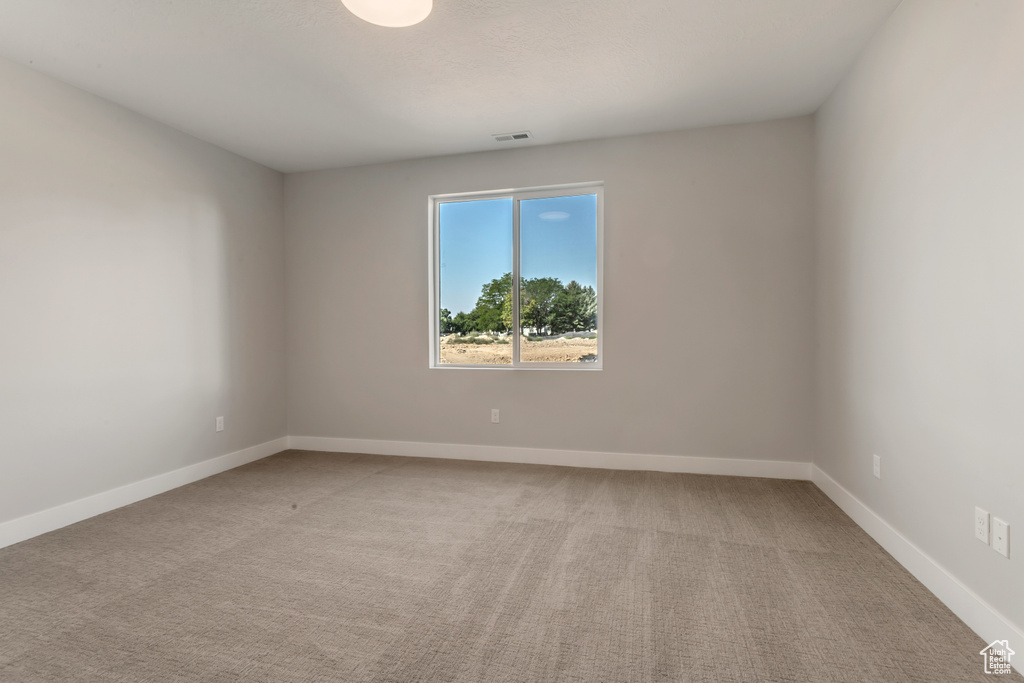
(340, 567)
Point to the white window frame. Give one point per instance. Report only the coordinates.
(517, 195)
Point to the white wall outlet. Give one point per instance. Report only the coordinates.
(220, 424)
(876, 467)
(495, 417)
(1001, 537)
(981, 525)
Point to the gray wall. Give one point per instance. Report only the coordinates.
(920, 303)
(707, 311)
(142, 291)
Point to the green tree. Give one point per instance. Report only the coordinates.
(537, 298)
(545, 305)
(489, 310)
(493, 293)
(588, 309)
(506, 310)
(446, 321)
(565, 311)
(487, 319)
(574, 309)
(463, 323)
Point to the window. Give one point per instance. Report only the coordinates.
(515, 278)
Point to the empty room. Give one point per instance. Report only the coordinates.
(511, 341)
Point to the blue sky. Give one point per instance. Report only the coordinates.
(558, 234)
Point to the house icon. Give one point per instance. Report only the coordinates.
(997, 657)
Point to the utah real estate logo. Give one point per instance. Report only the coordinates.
(997, 657)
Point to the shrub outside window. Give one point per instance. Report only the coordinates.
(516, 278)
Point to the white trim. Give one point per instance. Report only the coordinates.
(564, 189)
(773, 469)
(37, 523)
(434, 283)
(980, 617)
(517, 301)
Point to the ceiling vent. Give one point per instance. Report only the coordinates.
(513, 137)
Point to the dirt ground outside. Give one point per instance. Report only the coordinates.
(559, 350)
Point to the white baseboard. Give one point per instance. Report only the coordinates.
(23, 528)
(980, 616)
(773, 469)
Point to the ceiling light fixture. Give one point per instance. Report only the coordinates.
(390, 13)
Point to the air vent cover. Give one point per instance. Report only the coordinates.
(513, 137)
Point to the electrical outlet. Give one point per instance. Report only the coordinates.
(981, 525)
(495, 418)
(876, 466)
(220, 424)
(1001, 537)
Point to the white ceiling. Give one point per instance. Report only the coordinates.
(302, 84)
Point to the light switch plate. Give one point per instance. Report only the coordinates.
(1001, 537)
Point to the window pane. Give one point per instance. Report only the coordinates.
(475, 240)
(558, 287)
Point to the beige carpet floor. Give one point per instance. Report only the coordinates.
(334, 567)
